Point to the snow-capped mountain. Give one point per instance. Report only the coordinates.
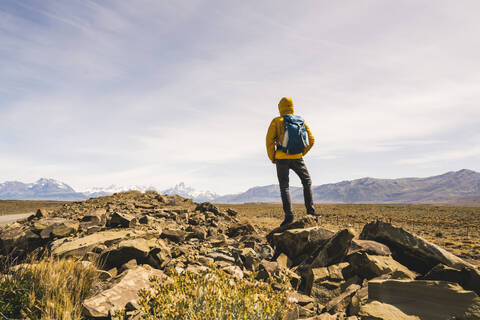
(188, 192)
(111, 189)
(43, 189)
(180, 189)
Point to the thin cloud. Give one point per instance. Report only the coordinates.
(468, 152)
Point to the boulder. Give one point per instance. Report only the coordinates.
(196, 219)
(334, 250)
(231, 212)
(43, 223)
(370, 247)
(269, 270)
(80, 246)
(197, 233)
(240, 229)
(429, 300)
(324, 283)
(468, 278)
(137, 249)
(471, 279)
(121, 220)
(95, 217)
(15, 239)
(298, 244)
(175, 235)
(41, 213)
(410, 250)
(249, 258)
(443, 273)
(147, 206)
(370, 266)
(124, 290)
(60, 229)
(316, 275)
(341, 302)
(375, 310)
(284, 260)
(359, 298)
(305, 222)
(207, 206)
(220, 256)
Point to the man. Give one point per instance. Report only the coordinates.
(285, 161)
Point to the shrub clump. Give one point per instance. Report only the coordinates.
(46, 289)
(212, 295)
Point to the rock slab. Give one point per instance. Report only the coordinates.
(429, 300)
(122, 292)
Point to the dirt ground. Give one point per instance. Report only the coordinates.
(455, 228)
(8, 207)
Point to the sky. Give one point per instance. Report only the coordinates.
(150, 92)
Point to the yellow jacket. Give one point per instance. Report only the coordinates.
(276, 130)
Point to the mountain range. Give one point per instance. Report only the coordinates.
(452, 187)
(51, 189)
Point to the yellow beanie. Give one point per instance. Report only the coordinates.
(285, 106)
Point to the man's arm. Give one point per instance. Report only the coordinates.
(270, 141)
(311, 140)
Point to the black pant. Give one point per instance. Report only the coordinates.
(298, 166)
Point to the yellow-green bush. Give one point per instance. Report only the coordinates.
(212, 295)
(46, 289)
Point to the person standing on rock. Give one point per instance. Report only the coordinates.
(286, 145)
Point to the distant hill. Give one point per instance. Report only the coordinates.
(453, 187)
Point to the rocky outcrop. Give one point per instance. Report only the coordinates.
(331, 275)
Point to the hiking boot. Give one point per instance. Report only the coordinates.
(287, 220)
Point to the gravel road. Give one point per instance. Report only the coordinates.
(13, 217)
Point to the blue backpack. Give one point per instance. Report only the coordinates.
(295, 137)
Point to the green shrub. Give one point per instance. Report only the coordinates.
(212, 295)
(14, 295)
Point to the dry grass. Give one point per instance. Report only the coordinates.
(46, 289)
(456, 228)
